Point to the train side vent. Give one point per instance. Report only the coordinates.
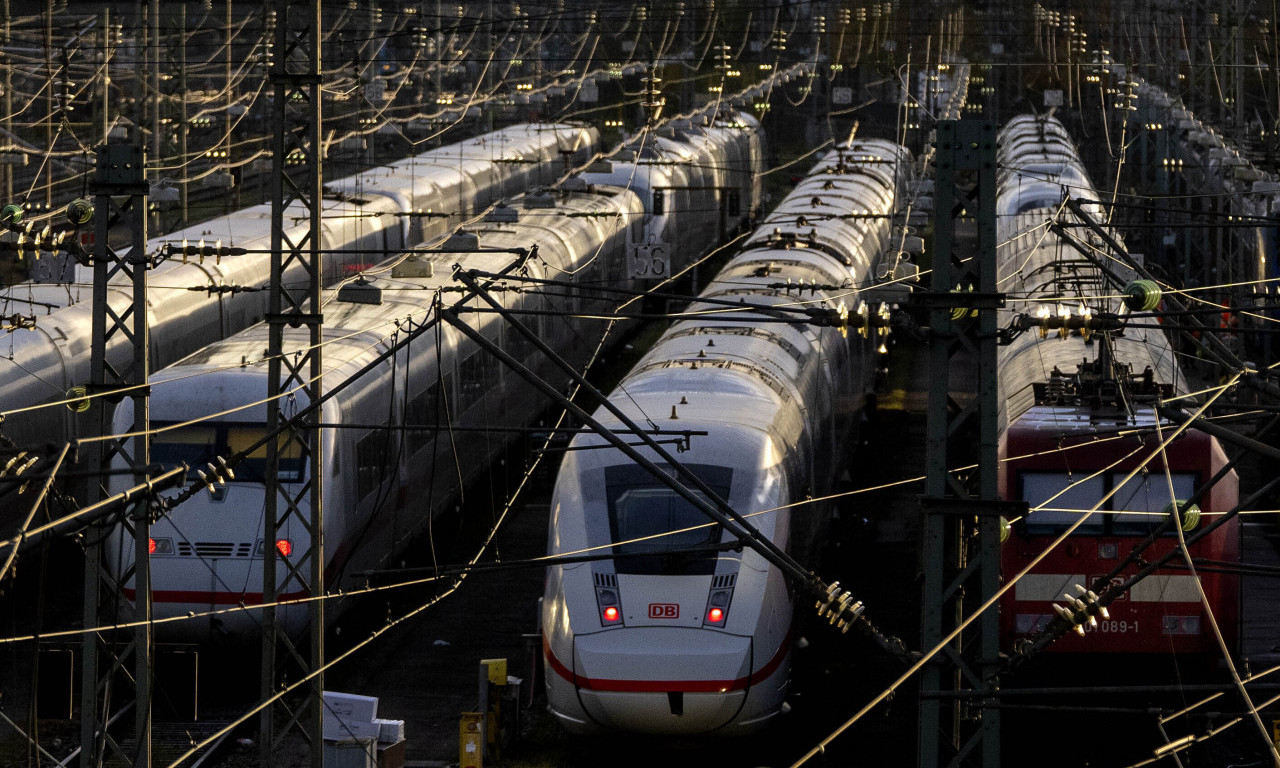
(413, 266)
(539, 200)
(724, 581)
(360, 292)
(462, 241)
(502, 214)
(606, 580)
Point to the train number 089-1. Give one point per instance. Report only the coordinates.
(1113, 626)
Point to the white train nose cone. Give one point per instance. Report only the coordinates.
(669, 680)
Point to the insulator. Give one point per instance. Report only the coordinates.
(1188, 515)
(11, 215)
(79, 212)
(1142, 295)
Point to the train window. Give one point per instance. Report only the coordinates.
(518, 346)
(478, 374)
(1035, 202)
(641, 507)
(735, 203)
(659, 202)
(430, 408)
(421, 413)
(1063, 499)
(371, 463)
(293, 460)
(1140, 503)
(194, 446)
(1134, 509)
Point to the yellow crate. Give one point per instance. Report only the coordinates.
(471, 740)
(497, 670)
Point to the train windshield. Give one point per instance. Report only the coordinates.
(656, 528)
(1058, 500)
(198, 444)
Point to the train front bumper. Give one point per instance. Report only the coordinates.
(662, 680)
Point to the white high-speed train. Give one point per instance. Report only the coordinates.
(655, 640)
(366, 217)
(384, 484)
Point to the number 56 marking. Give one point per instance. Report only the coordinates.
(650, 261)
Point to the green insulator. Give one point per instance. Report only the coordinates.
(1188, 515)
(79, 212)
(1005, 528)
(11, 216)
(78, 399)
(1142, 295)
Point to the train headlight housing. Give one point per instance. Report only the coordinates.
(717, 607)
(1179, 625)
(284, 547)
(160, 546)
(607, 600)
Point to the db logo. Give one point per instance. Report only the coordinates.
(664, 611)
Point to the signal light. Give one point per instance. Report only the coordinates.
(151, 546)
(611, 614)
(284, 547)
(718, 606)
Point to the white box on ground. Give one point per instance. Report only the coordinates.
(348, 715)
(390, 731)
(335, 730)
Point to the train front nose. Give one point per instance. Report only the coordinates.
(666, 680)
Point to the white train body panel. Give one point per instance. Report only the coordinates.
(776, 401)
(381, 486)
(365, 219)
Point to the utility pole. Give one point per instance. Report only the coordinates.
(120, 174)
(229, 96)
(8, 104)
(961, 549)
(153, 98)
(294, 501)
(183, 125)
(108, 43)
(48, 103)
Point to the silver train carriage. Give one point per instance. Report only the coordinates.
(1038, 167)
(382, 484)
(658, 642)
(365, 218)
(585, 233)
(705, 169)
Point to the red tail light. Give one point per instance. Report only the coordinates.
(284, 547)
(151, 546)
(611, 614)
(715, 615)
